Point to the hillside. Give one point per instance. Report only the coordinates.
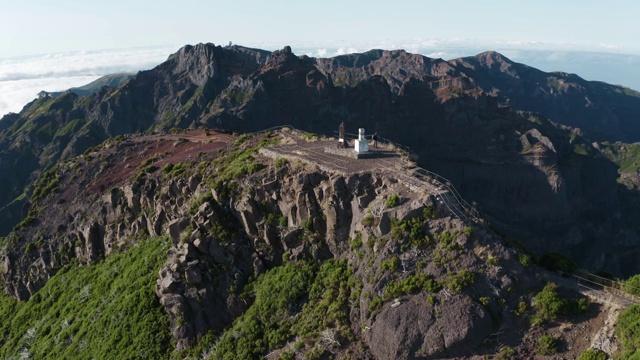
(199, 237)
(518, 142)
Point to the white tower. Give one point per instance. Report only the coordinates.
(361, 145)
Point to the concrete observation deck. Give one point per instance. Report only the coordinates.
(328, 157)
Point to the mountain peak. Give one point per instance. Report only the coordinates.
(493, 57)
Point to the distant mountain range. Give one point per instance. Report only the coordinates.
(527, 146)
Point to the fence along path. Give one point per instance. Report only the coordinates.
(427, 180)
(422, 179)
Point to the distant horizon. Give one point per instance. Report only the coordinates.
(22, 77)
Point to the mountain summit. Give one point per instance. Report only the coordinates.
(514, 139)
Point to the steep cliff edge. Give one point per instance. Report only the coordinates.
(514, 140)
(278, 257)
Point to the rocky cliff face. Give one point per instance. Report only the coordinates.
(424, 283)
(531, 166)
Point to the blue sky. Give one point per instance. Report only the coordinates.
(39, 26)
(52, 45)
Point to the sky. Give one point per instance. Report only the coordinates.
(47, 45)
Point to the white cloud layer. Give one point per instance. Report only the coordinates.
(21, 78)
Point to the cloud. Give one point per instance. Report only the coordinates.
(21, 78)
(322, 52)
(345, 51)
(15, 94)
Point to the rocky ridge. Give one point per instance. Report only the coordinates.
(427, 285)
(513, 139)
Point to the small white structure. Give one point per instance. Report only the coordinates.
(361, 145)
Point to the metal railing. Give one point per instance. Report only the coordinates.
(459, 207)
(462, 209)
(611, 286)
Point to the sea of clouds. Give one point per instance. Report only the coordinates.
(21, 78)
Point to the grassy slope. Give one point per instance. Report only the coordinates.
(108, 310)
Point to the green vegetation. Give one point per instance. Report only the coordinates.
(632, 285)
(546, 345)
(550, 305)
(317, 296)
(506, 353)
(413, 228)
(355, 243)
(46, 185)
(390, 264)
(67, 131)
(580, 149)
(309, 136)
(593, 354)
(412, 284)
(525, 259)
(459, 280)
(468, 230)
(375, 305)
(238, 96)
(281, 162)
(87, 312)
(392, 201)
(492, 260)
(626, 156)
(237, 163)
(206, 198)
(368, 220)
(628, 331)
(277, 220)
(521, 309)
(307, 225)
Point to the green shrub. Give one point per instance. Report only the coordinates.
(492, 260)
(524, 259)
(628, 331)
(593, 354)
(167, 168)
(546, 345)
(468, 230)
(459, 280)
(287, 355)
(281, 162)
(392, 201)
(367, 220)
(485, 301)
(632, 285)
(355, 243)
(30, 247)
(206, 198)
(506, 353)
(375, 305)
(429, 213)
(390, 264)
(549, 304)
(411, 285)
(307, 225)
(521, 309)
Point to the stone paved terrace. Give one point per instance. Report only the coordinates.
(383, 159)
